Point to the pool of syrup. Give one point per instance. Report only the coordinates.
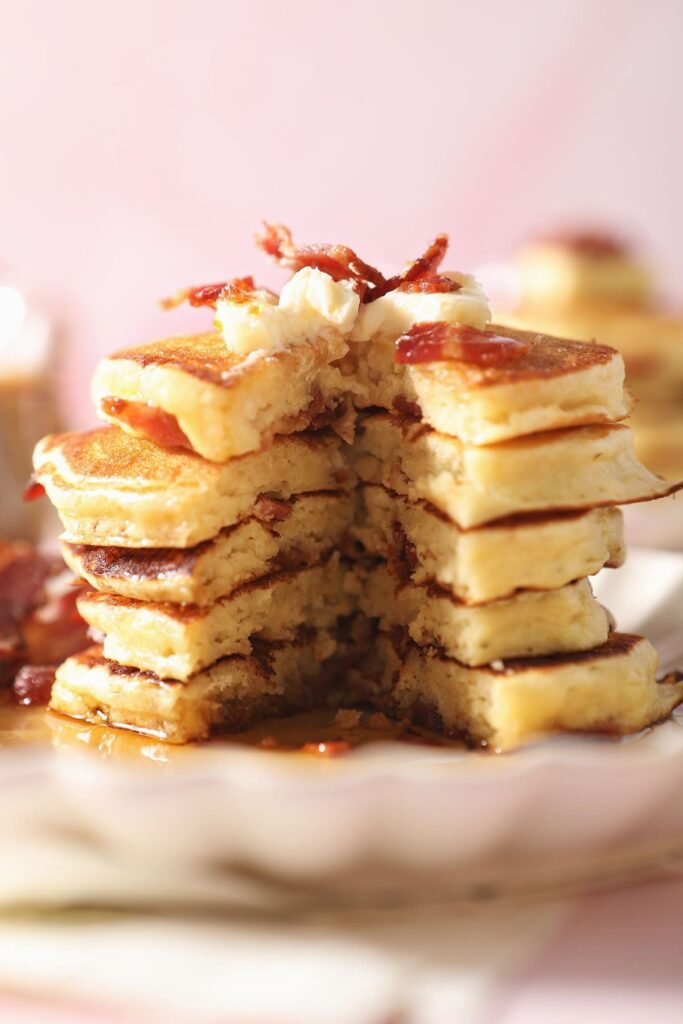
(320, 734)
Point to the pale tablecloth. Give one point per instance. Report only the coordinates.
(614, 956)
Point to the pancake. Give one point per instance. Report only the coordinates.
(224, 404)
(175, 641)
(228, 696)
(287, 534)
(580, 468)
(541, 551)
(611, 690)
(572, 268)
(532, 623)
(113, 489)
(556, 384)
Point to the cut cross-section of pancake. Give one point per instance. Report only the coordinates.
(555, 384)
(611, 690)
(113, 489)
(579, 468)
(275, 679)
(540, 551)
(280, 535)
(175, 641)
(532, 623)
(193, 391)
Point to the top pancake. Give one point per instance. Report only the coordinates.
(557, 383)
(225, 404)
(110, 488)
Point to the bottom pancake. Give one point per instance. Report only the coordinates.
(230, 695)
(610, 690)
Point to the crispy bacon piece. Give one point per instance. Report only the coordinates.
(39, 621)
(339, 261)
(33, 684)
(55, 630)
(155, 424)
(238, 289)
(430, 285)
(33, 490)
(23, 572)
(423, 268)
(441, 341)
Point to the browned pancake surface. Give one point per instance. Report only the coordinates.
(547, 357)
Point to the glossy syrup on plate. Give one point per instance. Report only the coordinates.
(320, 734)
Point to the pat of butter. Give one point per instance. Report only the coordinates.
(310, 303)
(397, 311)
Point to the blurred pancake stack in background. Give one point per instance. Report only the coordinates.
(593, 287)
(28, 408)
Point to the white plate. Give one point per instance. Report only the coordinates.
(228, 825)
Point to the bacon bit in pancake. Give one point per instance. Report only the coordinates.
(33, 684)
(440, 341)
(327, 748)
(33, 490)
(155, 424)
(339, 261)
(271, 510)
(239, 289)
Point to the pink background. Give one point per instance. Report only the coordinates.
(142, 143)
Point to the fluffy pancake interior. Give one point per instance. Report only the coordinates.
(226, 405)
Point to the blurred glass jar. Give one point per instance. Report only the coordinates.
(28, 408)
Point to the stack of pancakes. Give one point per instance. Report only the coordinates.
(217, 585)
(593, 287)
(314, 524)
(489, 496)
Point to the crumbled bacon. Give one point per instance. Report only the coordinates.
(239, 289)
(422, 269)
(33, 490)
(441, 341)
(39, 622)
(33, 684)
(271, 510)
(430, 285)
(23, 572)
(55, 630)
(339, 261)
